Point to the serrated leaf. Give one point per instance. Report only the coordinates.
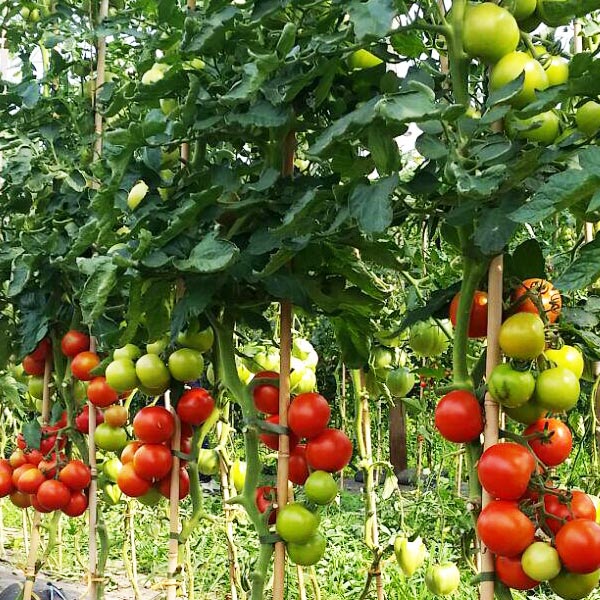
(528, 261)
(32, 433)
(98, 287)
(371, 204)
(371, 19)
(210, 255)
(355, 346)
(199, 293)
(20, 274)
(209, 29)
(583, 271)
(384, 150)
(494, 229)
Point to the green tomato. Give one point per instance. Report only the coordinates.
(295, 523)
(80, 392)
(510, 387)
(363, 59)
(310, 552)
(301, 348)
(303, 381)
(244, 373)
(400, 382)
(112, 493)
(568, 357)
(543, 128)
(443, 579)
(527, 413)
(522, 336)
(320, 488)
(312, 360)
(557, 389)
(410, 555)
(512, 66)
(168, 105)
(35, 387)
(137, 193)
(489, 32)
(121, 375)
(130, 351)
(152, 372)
(151, 498)
(572, 586)
(587, 118)
(111, 468)
(382, 358)
(157, 347)
(111, 439)
(522, 9)
(186, 364)
(557, 70)
(267, 360)
(540, 561)
(427, 339)
(202, 341)
(238, 474)
(208, 461)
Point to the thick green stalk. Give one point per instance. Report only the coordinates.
(457, 59)
(104, 544)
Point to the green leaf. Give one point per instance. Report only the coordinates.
(261, 114)
(209, 255)
(102, 279)
(32, 433)
(413, 106)
(384, 149)
(355, 346)
(9, 395)
(371, 19)
(20, 274)
(527, 261)
(494, 229)
(583, 271)
(371, 204)
(156, 295)
(198, 295)
(209, 29)
(30, 94)
(135, 311)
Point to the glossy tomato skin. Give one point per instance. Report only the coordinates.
(427, 339)
(477, 317)
(6, 484)
(130, 483)
(53, 495)
(30, 481)
(164, 485)
(504, 529)
(510, 572)
(264, 498)
(572, 586)
(42, 350)
(152, 461)
(74, 342)
(505, 469)
(266, 397)
(578, 506)
(510, 387)
(116, 415)
(295, 523)
(310, 552)
(578, 545)
(83, 363)
(76, 475)
(32, 366)
(458, 417)
(271, 440)
(568, 357)
(522, 336)
(153, 425)
(556, 443)
(100, 394)
(77, 505)
(548, 294)
(195, 406)
(331, 451)
(298, 467)
(129, 451)
(82, 420)
(309, 415)
(557, 389)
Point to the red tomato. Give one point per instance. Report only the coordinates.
(187, 431)
(578, 545)
(83, 363)
(308, 415)
(36, 504)
(504, 529)
(42, 349)
(264, 498)
(82, 420)
(331, 451)
(298, 467)
(129, 451)
(77, 505)
(477, 317)
(195, 406)
(271, 440)
(75, 475)
(579, 506)
(458, 417)
(5, 466)
(510, 573)
(34, 457)
(32, 366)
(6, 484)
(152, 461)
(153, 425)
(130, 483)
(504, 470)
(74, 342)
(20, 499)
(555, 445)
(53, 495)
(49, 466)
(100, 394)
(548, 294)
(62, 422)
(266, 397)
(30, 481)
(21, 443)
(17, 458)
(164, 485)
(16, 474)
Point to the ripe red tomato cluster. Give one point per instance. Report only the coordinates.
(47, 482)
(458, 417)
(514, 475)
(34, 363)
(326, 449)
(148, 460)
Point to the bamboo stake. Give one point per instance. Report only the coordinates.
(173, 563)
(486, 588)
(93, 578)
(343, 414)
(34, 548)
(285, 333)
(100, 80)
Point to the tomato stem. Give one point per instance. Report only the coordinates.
(457, 59)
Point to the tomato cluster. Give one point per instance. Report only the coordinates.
(44, 478)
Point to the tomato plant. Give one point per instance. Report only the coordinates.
(308, 553)
(308, 415)
(458, 417)
(510, 572)
(541, 562)
(195, 406)
(320, 488)
(295, 523)
(477, 317)
(557, 389)
(566, 507)
(83, 363)
(297, 467)
(330, 451)
(153, 425)
(152, 461)
(510, 387)
(74, 342)
(504, 529)
(266, 397)
(578, 545)
(547, 295)
(554, 444)
(522, 336)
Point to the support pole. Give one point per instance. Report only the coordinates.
(93, 497)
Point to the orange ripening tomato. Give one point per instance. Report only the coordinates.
(548, 294)
(477, 317)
